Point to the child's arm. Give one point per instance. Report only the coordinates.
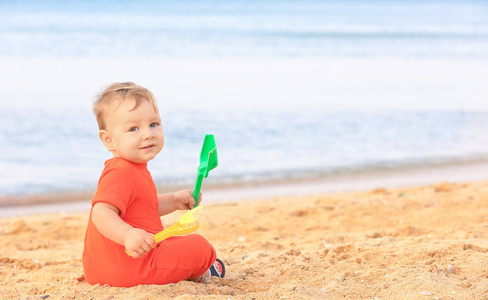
(106, 218)
(181, 200)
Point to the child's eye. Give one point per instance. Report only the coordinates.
(154, 124)
(133, 129)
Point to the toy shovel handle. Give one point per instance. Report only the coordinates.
(196, 189)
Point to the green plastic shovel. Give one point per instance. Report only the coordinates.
(208, 161)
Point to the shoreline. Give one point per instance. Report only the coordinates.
(64, 203)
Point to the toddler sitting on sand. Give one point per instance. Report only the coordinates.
(126, 208)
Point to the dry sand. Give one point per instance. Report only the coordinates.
(428, 242)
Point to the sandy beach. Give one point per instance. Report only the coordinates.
(427, 242)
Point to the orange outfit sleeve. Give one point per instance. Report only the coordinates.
(129, 187)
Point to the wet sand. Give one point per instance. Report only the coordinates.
(73, 202)
(427, 242)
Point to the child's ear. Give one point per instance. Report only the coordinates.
(106, 139)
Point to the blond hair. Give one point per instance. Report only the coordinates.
(117, 93)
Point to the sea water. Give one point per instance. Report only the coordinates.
(290, 89)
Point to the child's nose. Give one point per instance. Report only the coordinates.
(149, 133)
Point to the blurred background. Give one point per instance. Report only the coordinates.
(292, 90)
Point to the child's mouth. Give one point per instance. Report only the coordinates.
(147, 147)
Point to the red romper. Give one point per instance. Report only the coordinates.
(129, 187)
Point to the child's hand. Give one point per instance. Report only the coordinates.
(184, 200)
(138, 242)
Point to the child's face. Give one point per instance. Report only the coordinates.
(136, 135)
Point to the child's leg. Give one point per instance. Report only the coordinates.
(201, 277)
(181, 258)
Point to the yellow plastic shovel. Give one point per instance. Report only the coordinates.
(187, 224)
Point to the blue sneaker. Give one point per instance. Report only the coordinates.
(217, 269)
